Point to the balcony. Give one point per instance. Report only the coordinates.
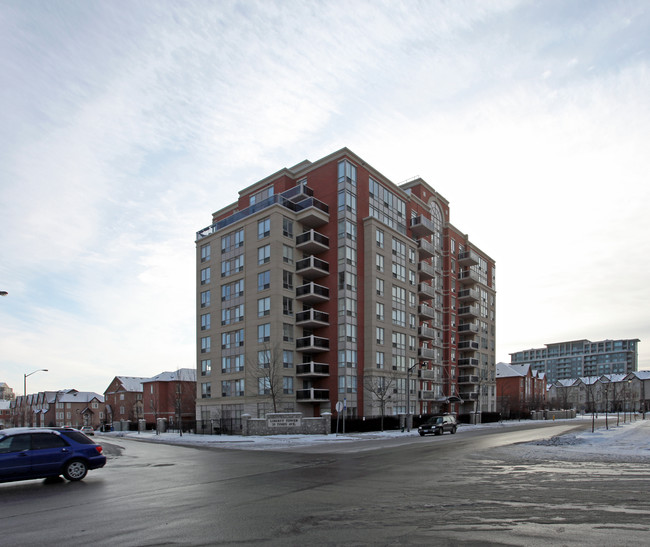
(312, 293)
(469, 295)
(312, 395)
(426, 249)
(312, 370)
(468, 345)
(467, 362)
(426, 353)
(468, 328)
(422, 226)
(430, 376)
(468, 277)
(426, 291)
(468, 379)
(426, 271)
(469, 396)
(312, 319)
(312, 213)
(468, 312)
(468, 258)
(426, 312)
(312, 242)
(312, 268)
(429, 395)
(312, 344)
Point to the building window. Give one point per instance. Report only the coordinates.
(380, 311)
(347, 172)
(205, 321)
(263, 228)
(205, 276)
(206, 390)
(264, 280)
(205, 252)
(380, 336)
(380, 287)
(379, 359)
(206, 367)
(287, 359)
(264, 307)
(264, 359)
(287, 385)
(379, 234)
(287, 280)
(264, 333)
(287, 306)
(205, 299)
(287, 254)
(287, 227)
(380, 262)
(264, 255)
(261, 195)
(205, 344)
(287, 332)
(263, 386)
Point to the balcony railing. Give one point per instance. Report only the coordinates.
(422, 226)
(426, 291)
(468, 328)
(469, 311)
(312, 369)
(467, 345)
(426, 271)
(312, 267)
(426, 332)
(468, 277)
(312, 395)
(312, 242)
(312, 344)
(468, 379)
(312, 293)
(426, 312)
(305, 210)
(468, 362)
(426, 249)
(426, 353)
(312, 318)
(468, 295)
(467, 258)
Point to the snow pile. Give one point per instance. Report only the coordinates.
(627, 442)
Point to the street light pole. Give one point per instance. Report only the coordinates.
(25, 392)
(408, 396)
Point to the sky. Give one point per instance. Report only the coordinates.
(125, 125)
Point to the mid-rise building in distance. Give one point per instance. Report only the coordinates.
(326, 282)
(581, 358)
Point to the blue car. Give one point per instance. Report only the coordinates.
(36, 453)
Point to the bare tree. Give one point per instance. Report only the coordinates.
(381, 390)
(268, 370)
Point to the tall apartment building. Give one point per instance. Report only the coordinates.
(580, 358)
(327, 282)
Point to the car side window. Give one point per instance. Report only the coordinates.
(15, 443)
(41, 441)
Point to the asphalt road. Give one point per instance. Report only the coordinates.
(450, 490)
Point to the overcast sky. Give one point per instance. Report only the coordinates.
(124, 125)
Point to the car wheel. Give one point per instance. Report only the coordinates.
(438, 432)
(75, 470)
(453, 430)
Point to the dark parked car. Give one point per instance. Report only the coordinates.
(36, 453)
(438, 425)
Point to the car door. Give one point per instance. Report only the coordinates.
(48, 453)
(15, 457)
